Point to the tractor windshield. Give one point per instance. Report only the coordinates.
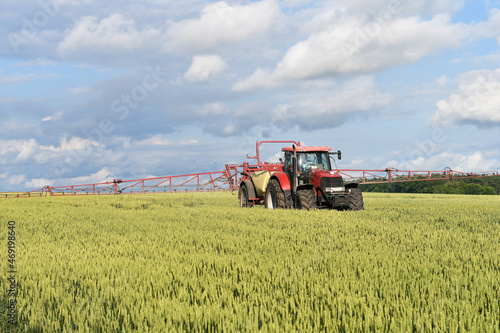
(313, 161)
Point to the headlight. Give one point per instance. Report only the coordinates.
(335, 189)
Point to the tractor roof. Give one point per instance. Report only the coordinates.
(307, 148)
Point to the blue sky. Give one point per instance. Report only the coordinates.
(92, 91)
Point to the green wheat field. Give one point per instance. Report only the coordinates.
(197, 262)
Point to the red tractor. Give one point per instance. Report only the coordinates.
(303, 180)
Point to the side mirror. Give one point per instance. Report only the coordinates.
(338, 153)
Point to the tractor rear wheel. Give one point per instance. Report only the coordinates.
(274, 196)
(306, 199)
(355, 199)
(244, 202)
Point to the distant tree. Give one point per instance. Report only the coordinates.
(473, 189)
(488, 190)
(484, 186)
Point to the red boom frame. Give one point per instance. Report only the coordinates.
(228, 180)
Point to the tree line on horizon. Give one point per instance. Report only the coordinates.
(472, 186)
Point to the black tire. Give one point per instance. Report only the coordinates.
(355, 199)
(306, 199)
(274, 196)
(243, 195)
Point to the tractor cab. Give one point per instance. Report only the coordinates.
(309, 160)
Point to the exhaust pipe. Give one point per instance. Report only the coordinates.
(295, 177)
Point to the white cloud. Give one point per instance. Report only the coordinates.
(473, 162)
(7, 146)
(221, 23)
(155, 140)
(37, 63)
(275, 158)
(30, 149)
(323, 104)
(435, 87)
(100, 176)
(16, 179)
(81, 90)
(261, 79)
(22, 78)
(112, 35)
(356, 44)
(13, 179)
(213, 109)
(55, 116)
(309, 105)
(436, 6)
(476, 101)
(189, 142)
(229, 129)
(419, 7)
(76, 143)
(355, 164)
(38, 183)
(205, 68)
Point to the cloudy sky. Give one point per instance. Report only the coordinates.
(95, 90)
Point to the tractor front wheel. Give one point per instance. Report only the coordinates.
(306, 199)
(274, 197)
(355, 199)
